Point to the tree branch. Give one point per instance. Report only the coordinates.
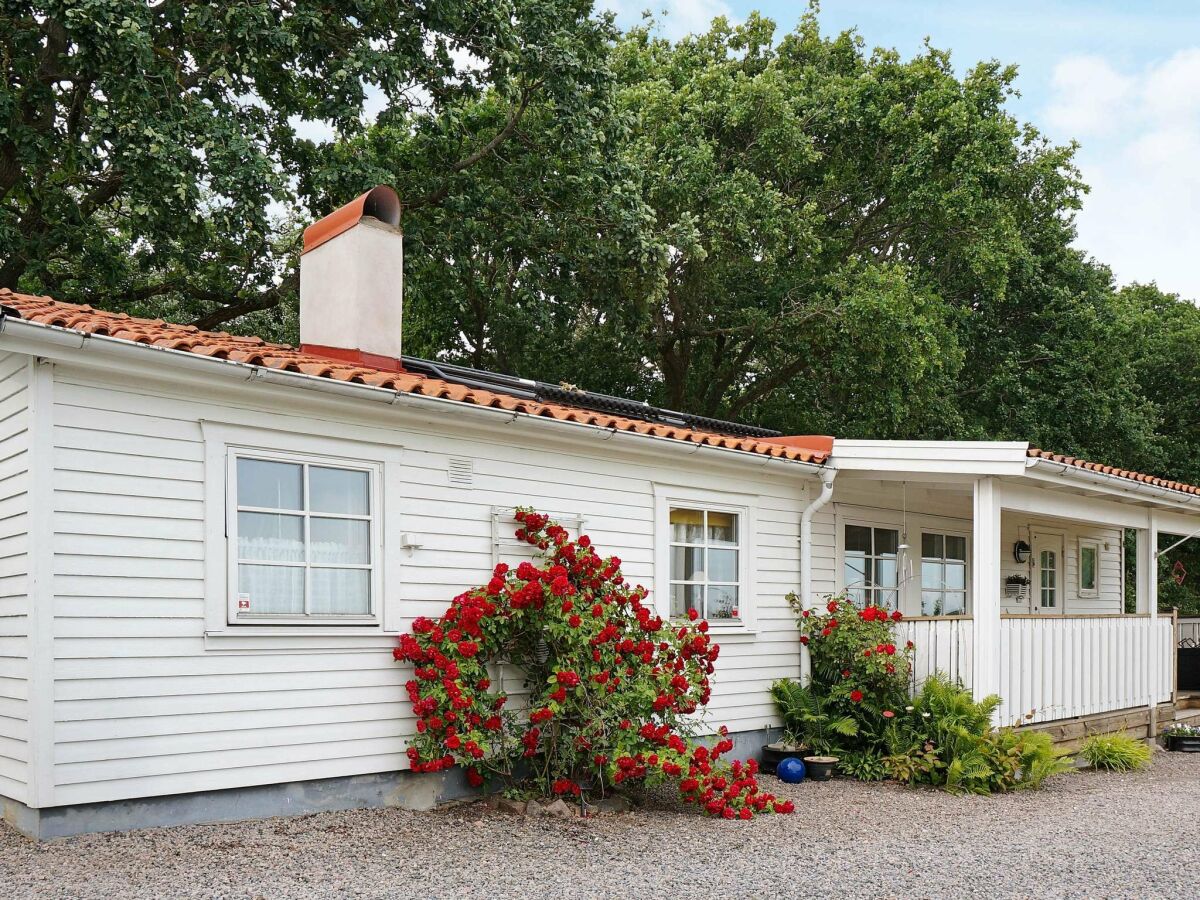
(510, 125)
(266, 300)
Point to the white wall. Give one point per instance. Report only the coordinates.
(1016, 526)
(14, 575)
(145, 703)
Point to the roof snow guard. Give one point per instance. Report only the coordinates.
(419, 378)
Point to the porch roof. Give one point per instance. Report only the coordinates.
(945, 462)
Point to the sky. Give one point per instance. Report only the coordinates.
(1121, 78)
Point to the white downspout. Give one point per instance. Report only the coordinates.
(806, 578)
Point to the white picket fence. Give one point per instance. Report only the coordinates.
(1062, 667)
(941, 644)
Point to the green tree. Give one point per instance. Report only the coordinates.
(149, 152)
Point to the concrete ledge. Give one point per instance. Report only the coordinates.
(404, 790)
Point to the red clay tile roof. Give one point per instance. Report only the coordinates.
(1114, 470)
(257, 352)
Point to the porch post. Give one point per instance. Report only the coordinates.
(1149, 573)
(1143, 583)
(985, 588)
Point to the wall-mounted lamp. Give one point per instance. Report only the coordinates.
(1021, 551)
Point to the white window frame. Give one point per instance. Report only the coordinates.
(374, 472)
(744, 506)
(919, 560)
(901, 557)
(1094, 545)
(349, 444)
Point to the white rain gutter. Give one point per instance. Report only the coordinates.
(73, 340)
(806, 520)
(1117, 482)
(806, 576)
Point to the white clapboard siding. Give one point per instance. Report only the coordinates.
(1110, 596)
(144, 704)
(1063, 667)
(941, 644)
(14, 572)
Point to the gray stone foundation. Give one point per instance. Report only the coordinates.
(403, 790)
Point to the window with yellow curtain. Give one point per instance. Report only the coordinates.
(706, 551)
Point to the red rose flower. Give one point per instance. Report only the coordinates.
(856, 695)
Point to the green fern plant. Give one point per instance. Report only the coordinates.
(809, 718)
(1115, 752)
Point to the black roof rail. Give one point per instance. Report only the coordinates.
(528, 389)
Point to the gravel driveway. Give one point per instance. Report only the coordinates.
(1086, 834)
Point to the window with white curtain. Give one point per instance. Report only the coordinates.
(302, 534)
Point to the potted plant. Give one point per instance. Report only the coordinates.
(790, 743)
(810, 726)
(1183, 738)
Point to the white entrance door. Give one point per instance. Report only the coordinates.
(1047, 593)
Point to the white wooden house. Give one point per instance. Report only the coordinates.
(208, 545)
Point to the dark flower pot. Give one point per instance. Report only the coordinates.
(773, 754)
(820, 768)
(1183, 743)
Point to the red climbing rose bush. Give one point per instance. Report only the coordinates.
(610, 690)
(856, 655)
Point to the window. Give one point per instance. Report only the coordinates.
(1089, 568)
(871, 567)
(706, 564)
(302, 536)
(1048, 579)
(943, 574)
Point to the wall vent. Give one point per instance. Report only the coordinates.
(462, 471)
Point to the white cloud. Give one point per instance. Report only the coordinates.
(1140, 137)
(1087, 90)
(676, 18)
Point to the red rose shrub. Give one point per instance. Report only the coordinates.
(610, 692)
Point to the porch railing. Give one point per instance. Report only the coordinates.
(942, 644)
(1059, 667)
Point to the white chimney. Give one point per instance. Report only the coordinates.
(352, 281)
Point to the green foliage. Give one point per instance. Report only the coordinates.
(789, 229)
(811, 719)
(855, 660)
(944, 737)
(1115, 752)
(865, 765)
(149, 153)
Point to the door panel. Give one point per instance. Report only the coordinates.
(1047, 594)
